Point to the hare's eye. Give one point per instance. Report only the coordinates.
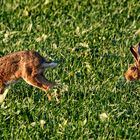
(134, 68)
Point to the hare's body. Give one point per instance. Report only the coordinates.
(133, 72)
(28, 65)
(19, 65)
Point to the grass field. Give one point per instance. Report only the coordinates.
(92, 38)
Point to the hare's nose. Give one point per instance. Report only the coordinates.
(128, 77)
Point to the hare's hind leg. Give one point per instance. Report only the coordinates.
(41, 82)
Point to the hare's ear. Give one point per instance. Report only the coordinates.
(133, 51)
(139, 49)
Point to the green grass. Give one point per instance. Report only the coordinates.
(92, 37)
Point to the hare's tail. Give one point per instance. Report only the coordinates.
(49, 64)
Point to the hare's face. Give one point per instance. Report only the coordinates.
(133, 73)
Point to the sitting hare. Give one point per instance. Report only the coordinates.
(28, 65)
(133, 72)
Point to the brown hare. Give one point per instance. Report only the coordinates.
(133, 72)
(28, 65)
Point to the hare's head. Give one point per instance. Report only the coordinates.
(133, 72)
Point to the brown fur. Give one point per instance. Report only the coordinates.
(28, 65)
(133, 72)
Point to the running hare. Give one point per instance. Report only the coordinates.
(28, 65)
(133, 72)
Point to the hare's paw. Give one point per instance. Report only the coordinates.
(1, 98)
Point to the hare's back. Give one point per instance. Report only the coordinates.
(23, 57)
(32, 58)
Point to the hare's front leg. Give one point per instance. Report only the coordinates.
(3, 93)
